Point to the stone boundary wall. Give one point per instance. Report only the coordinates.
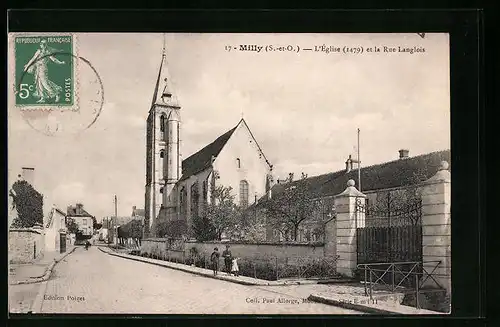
(26, 245)
(244, 250)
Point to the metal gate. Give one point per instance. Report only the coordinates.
(389, 235)
(62, 242)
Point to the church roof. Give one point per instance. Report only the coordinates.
(202, 159)
(392, 174)
(138, 212)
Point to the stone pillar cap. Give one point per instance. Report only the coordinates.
(351, 190)
(442, 175)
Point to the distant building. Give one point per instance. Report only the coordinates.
(82, 218)
(378, 182)
(137, 213)
(55, 226)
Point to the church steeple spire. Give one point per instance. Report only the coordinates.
(163, 95)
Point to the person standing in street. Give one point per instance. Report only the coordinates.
(228, 259)
(214, 260)
(234, 268)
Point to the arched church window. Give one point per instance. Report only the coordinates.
(238, 162)
(205, 191)
(162, 154)
(194, 199)
(161, 189)
(162, 123)
(244, 193)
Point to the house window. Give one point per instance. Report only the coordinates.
(244, 193)
(238, 162)
(84, 221)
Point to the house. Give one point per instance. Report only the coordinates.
(176, 189)
(389, 180)
(55, 230)
(137, 213)
(82, 218)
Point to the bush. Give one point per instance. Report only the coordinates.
(257, 269)
(29, 205)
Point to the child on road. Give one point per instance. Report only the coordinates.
(214, 258)
(234, 268)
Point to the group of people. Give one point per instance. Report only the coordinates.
(230, 262)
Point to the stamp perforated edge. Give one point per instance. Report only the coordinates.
(12, 72)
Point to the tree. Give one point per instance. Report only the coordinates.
(325, 213)
(221, 212)
(123, 233)
(29, 205)
(288, 209)
(95, 224)
(203, 229)
(72, 226)
(133, 230)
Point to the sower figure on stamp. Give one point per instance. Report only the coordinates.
(214, 258)
(38, 65)
(227, 259)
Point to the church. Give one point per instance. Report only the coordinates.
(177, 188)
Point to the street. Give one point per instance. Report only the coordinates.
(94, 282)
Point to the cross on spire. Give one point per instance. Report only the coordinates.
(164, 49)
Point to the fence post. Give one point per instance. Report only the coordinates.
(277, 274)
(366, 281)
(254, 271)
(436, 227)
(416, 292)
(393, 288)
(347, 220)
(371, 285)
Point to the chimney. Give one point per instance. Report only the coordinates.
(79, 208)
(403, 153)
(28, 174)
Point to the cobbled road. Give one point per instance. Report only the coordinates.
(94, 282)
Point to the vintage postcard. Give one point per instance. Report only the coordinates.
(186, 173)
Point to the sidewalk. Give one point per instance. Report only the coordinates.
(38, 271)
(243, 280)
(363, 303)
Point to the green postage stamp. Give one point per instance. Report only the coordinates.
(45, 71)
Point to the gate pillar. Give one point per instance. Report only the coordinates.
(436, 227)
(347, 218)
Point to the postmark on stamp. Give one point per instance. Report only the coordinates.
(45, 71)
(56, 91)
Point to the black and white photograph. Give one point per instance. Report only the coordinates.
(229, 173)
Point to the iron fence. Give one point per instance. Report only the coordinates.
(265, 267)
(394, 277)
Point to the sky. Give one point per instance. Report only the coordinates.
(303, 108)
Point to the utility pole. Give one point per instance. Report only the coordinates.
(359, 166)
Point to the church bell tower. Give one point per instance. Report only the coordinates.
(163, 157)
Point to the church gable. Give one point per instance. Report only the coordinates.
(242, 165)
